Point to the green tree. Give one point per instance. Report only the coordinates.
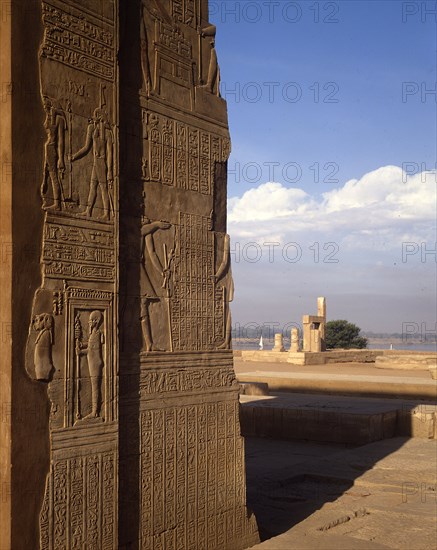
(345, 335)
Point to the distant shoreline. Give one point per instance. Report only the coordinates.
(373, 343)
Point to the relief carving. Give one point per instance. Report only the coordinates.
(212, 84)
(188, 491)
(90, 369)
(55, 126)
(199, 301)
(224, 279)
(181, 155)
(73, 347)
(100, 140)
(72, 40)
(43, 325)
(157, 278)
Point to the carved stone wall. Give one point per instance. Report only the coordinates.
(71, 346)
(182, 455)
(121, 415)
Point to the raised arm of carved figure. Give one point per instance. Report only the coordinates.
(150, 246)
(88, 144)
(226, 260)
(149, 228)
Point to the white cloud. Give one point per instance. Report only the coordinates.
(379, 211)
(268, 201)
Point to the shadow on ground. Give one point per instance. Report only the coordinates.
(288, 481)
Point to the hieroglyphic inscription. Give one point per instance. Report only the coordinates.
(79, 504)
(183, 156)
(192, 474)
(74, 41)
(194, 297)
(184, 11)
(76, 501)
(187, 380)
(77, 252)
(172, 39)
(44, 518)
(60, 499)
(146, 480)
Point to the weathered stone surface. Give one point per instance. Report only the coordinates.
(338, 419)
(253, 388)
(117, 367)
(315, 418)
(294, 340)
(408, 362)
(279, 343)
(314, 328)
(342, 384)
(381, 495)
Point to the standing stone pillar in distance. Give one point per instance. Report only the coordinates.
(295, 344)
(279, 342)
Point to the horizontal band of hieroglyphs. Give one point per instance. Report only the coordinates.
(76, 42)
(186, 380)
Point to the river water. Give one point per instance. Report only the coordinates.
(239, 344)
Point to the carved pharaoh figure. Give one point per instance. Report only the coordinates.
(213, 80)
(145, 63)
(94, 352)
(224, 278)
(156, 277)
(100, 139)
(54, 150)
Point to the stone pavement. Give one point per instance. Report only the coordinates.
(308, 495)
(333, 418)
(357, 379)
(349, 368)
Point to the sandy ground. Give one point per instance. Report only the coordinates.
(366, 369)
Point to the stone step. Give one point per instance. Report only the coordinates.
(406, 387)
(335, 419)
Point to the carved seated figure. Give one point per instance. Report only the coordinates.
(43, 325)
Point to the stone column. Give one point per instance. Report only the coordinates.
(315, 340)
(181, 451)
(306, 324)
(115, 307)
(295, 344)
(59, 220)
(321, 312)
(279, 342)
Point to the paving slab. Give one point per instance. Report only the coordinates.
(381, 495)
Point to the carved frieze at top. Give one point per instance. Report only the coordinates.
(77, 42)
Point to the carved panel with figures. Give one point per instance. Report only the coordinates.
(72, 343)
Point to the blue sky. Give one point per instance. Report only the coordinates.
(343, 117)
